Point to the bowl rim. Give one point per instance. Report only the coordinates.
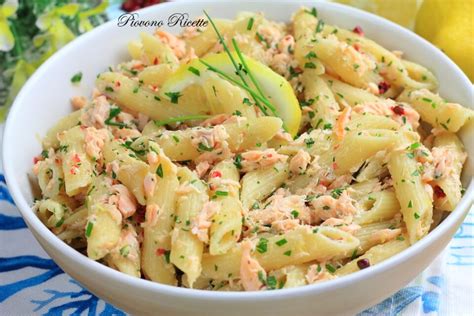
(37, 227)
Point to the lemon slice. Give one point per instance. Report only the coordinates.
(274, 87)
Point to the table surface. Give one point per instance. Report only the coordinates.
(31, 283)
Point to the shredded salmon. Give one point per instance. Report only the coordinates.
(249, 269)
(341, 123)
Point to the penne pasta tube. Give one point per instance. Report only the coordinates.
(160, 218)
(304, 244)
(375, 255)
(186, 248)
(416, 204)
(436, 111)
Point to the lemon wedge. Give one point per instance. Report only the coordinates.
(274, 87)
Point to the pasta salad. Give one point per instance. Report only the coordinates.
(252, 155)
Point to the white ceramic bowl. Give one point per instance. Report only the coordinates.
(45, 99)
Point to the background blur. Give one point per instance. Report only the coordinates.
(32, 30)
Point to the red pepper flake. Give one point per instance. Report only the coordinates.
(358, 30)
(57, 161)
(334, 166)
(325, 182)
(76, 158)
(155, 61)
(439, 192)
(137, 66)
(117, 84)
(356, 47)
(83, 127)
(363, 263)
(383, 87)
(269, 155)
(140, 215)
(399, 110)
(35, 160)
(160, 251)
(216, 174)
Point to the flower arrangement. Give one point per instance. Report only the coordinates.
(31, 31)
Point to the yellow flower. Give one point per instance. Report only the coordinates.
(51, 22)
(84, 22)
(7, 40)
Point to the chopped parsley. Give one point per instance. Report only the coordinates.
(414, 146)
(410, 204)
(114, 112)
(174, 96)
(125, 250)
(327, 126)
(167, 256)
(262, 245)
(417, 216)
(250, 24)
(222, 193)
(310, 65)
(109, 89)
(313, 12)
(330, 268)
(77, 77)
(295, 213)
(203, 147)
(310, 55)
(287, 253)
(159, 171)
(306, 102)
(247, 101)
(194, 71)
(309, 142)
(60, 222)
(238, 161)
(89, 228)
(271, 282)
(354, 254)
(262, 39)
(336, 193)
(281, 242)
(320, 26)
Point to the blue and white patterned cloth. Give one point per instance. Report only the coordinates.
(32, 284)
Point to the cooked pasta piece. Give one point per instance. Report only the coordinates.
(159, 220)
(449, 157)
(416, 203)
(436, 111)
(227, 222)
(186, 247)
(374, 256)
